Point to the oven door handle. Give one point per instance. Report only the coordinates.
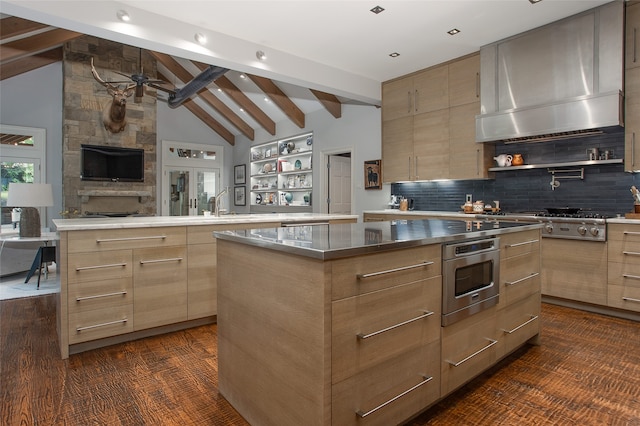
(388, 271)
(362, 336)
(491, 343)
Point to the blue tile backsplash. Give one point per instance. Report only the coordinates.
(604, 189)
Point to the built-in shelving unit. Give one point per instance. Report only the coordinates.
(552, 165)
(282, 173)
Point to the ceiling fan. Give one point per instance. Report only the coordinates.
(141, 80)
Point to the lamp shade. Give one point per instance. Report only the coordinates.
(30, 195)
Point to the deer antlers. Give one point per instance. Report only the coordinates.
(113, 116)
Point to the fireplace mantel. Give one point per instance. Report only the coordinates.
(85, 194)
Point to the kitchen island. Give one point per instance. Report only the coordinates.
(341, 324)
(131, 277)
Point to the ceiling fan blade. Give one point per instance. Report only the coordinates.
(123, 74)
(200, 81)
(164, 89)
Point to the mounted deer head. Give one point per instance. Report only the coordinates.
(113, 116)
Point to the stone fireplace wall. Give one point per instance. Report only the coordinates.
(84, 101)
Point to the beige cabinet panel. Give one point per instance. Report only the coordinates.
(431, 145)
(397, 99)
(632, 119)
(464, 81)
(519, 322)
(160, 286)
(431, 89)
(624, 266)
(632, 56)
(397, 150)
(84, 267)
(121, 239)
(468, 158)
(99, 323)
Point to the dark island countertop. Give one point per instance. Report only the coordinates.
(327, 242)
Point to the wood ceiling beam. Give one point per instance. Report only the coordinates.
(330, 102)
(206, 118)
(12, 26)
(30, 63)
(280, 99)
(35, 44)
(243, 101)
(182, 74)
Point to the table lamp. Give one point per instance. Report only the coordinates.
(28, 196)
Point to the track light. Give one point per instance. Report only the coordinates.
(261, 55)
(123, 15)
(200, 38)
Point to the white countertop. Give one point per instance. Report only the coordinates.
(433, 213)
(81, 224)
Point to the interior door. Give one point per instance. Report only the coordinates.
(339, 184)
(191, 191)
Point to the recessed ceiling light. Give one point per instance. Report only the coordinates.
(453, 31)
(200, 38)
(123, 15)
(377, 9)
(394, 54)
(266, 99)
(261, 55)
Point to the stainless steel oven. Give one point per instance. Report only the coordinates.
(470, 278)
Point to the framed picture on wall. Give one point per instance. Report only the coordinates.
(373, 174)
(239, 174)
(239, 196)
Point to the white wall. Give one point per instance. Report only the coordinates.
(34, 99)
(358, 130)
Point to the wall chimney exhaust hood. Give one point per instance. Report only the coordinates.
(558, 81)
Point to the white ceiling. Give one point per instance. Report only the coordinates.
(336, 46)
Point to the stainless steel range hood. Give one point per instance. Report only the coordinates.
(556, 81)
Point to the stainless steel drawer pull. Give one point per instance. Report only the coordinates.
(491, 343)
(171, 259)
(631, 233)
(104, 324)
(110, 265)
(113, 240)
(389, 271)
(362, 414)
(635, 277)
(533, 318)
(98, 296)
(631, 253)
(522, 243)
(533, 274)
(630, 299)
(375, 333)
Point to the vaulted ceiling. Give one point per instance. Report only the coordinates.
(234, 104)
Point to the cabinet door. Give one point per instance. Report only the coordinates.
(519, 322)
(464, 81)
(624, 267)
(397, 99)
(397, 149)
(469, 159)
(632, 57)
(431, 145)
(431, 89)
(160, 286)
(632, 120)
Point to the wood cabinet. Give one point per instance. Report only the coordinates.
(624, 266)
(575, 270)
(434, 138)
(632, 88)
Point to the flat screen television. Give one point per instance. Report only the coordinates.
(111, 163)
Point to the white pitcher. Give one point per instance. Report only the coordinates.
(503, 160)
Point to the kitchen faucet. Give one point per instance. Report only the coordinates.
(217, 202)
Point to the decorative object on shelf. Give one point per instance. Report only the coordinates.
(636, 199)
(28, 196)
(298, 165)
(309, 140)
(307, 198)
(503, 160)
(267, 153)
(593, 154)
(288, 197)
(267, 168)
(258, 199)
(291, 146)
(239, 198)
(239, 174)
(517, 160)
(373, 174)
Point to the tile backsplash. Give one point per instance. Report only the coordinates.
(604, 189)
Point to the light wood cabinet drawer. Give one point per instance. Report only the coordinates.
(517, 244)
(625, 296)
(363, 274)
(377, 326)
(119, 239)
(625, 250)
(86, 267)
(99, 323)
(160, 286)
(469, 347)
(519, 322)
(627, 273)
(519, 278)
(390, 393)
(88, 296)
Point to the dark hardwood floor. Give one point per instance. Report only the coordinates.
(585, 372)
